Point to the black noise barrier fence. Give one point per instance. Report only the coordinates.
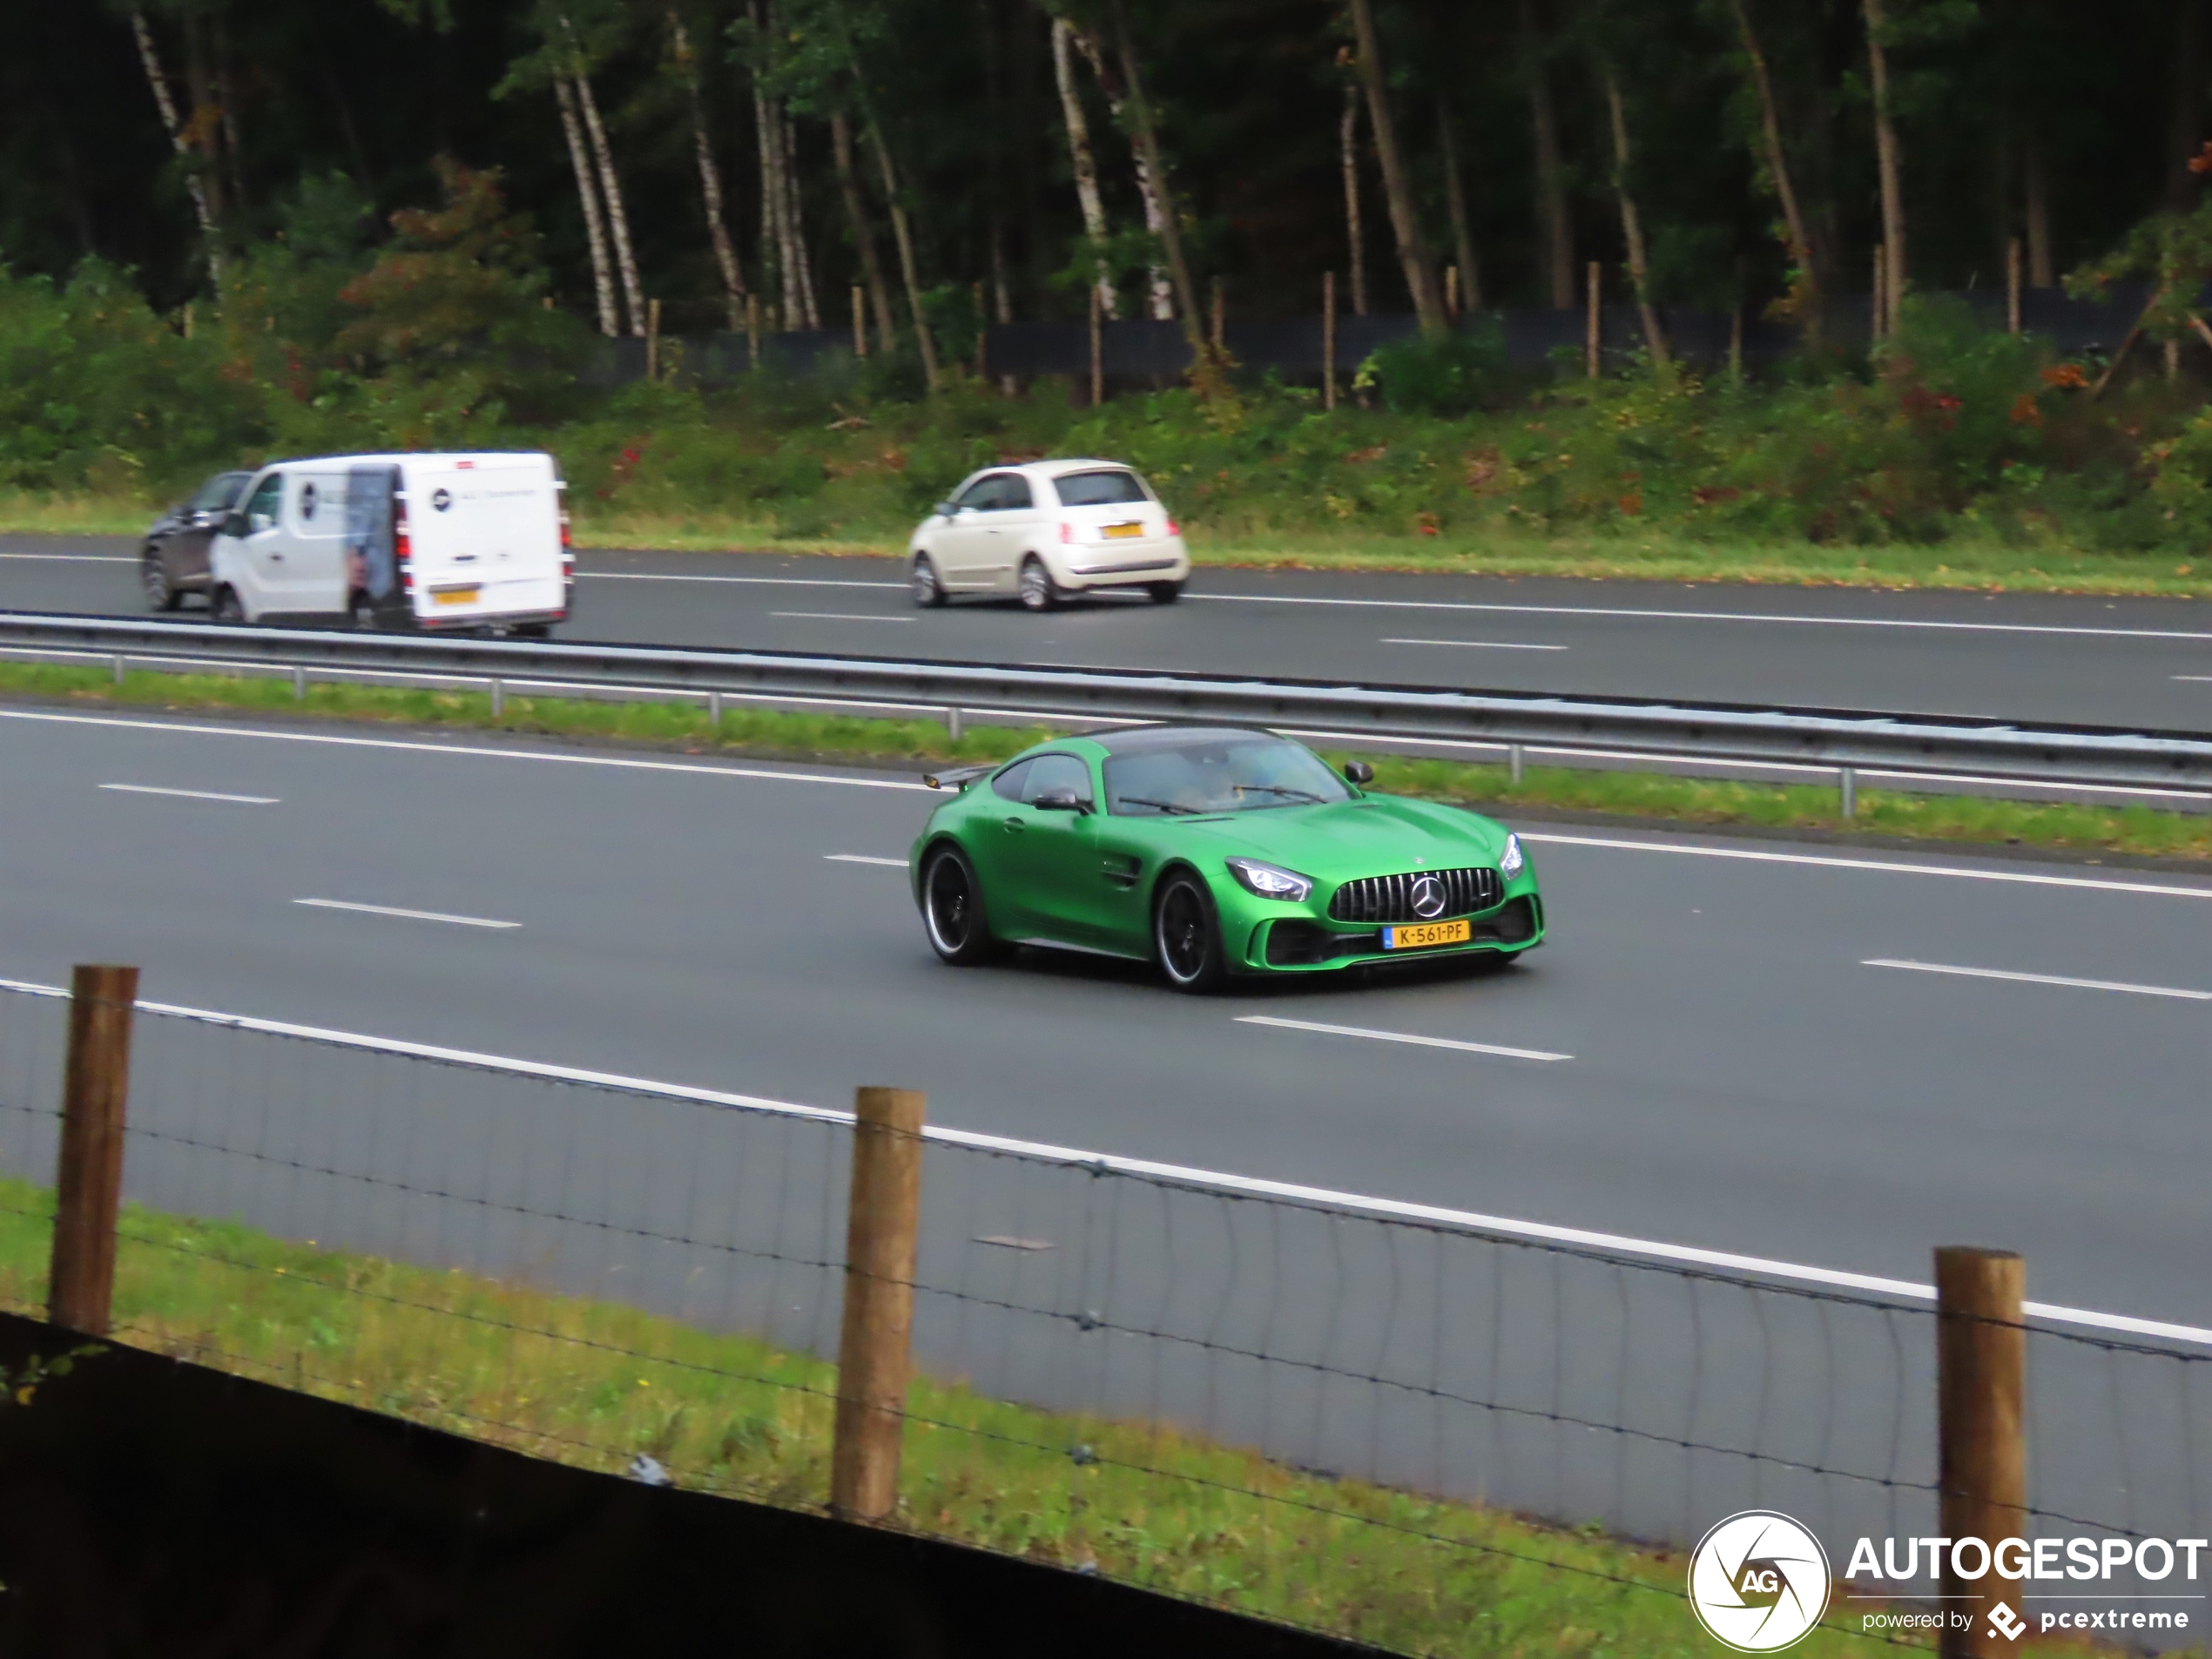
(1404, 1429)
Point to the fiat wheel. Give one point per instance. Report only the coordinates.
(951, 910)
(928, 589)
(1039, 591)
(1187, 935)
(1164, 593)
(153, 575)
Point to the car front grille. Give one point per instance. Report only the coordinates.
(1389, 898)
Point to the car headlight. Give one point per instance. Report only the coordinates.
(1513, 860)
(1269, 880)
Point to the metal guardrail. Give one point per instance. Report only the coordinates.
(2094, 756)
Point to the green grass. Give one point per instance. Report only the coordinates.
(593, 1384)
(2093, 831)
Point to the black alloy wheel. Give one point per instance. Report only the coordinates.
(1039, 591)
(929, 590)
(154, 575)
(1187, 935)
(951, 910)
(225, 606)
(1164, 593)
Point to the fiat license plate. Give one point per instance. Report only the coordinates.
(1117, 531)
(1415, 935)
(455, 595)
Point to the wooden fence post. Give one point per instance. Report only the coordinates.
(1592, 331)
(1981, 1381)
(80, 1284)
(652, 339)
(1097, 361)
(873, 1351)
(1879, 308)
(1328, 339)
(751, 332)
(859, 321)
(2013, 285)
(1220, 315)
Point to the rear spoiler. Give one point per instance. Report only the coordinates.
(957, 778)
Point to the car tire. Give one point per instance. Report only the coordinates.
(154, 575)
(224, 605)
(360, 611)
(1039, 591)
(1186, 935)
(927, 586)
(951, 910)
(1164, 593)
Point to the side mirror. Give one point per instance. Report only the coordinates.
(1060, 800)
(945, 509)
(233, 524)
(1358, 772)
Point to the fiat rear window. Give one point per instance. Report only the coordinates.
(1106, 488)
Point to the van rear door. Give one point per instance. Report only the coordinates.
(486, 539)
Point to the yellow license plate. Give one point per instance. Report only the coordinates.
(456, 595)
(1419, 934)
(1117, 531)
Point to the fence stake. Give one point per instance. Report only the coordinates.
(751, 331)
(1879, 310)
(80, 1284)
(652, 339)
(982, 335)
(1594, 325)
(2013, 285)
(1516, 762)
(1097, 361)
(498, 697)
(1328, 339)
(1220, 315)
(1452, 291)
(1981, 1377)
(872, 1346)
(859, 322)
(955, 723)
(1847, 790)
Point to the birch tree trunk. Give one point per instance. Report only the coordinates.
(204, 125)
(2041, 272)
(1455, 202)
(1355, 228)
(1777, 168)
(1081, 162)
(848, 183)
(718, 229)
(1161, 292)
(902, 233)
(1148, 142)
(1886, 159)
(617, 220)
(193, 183)
(775, 264)
(1555, 228)
(1655, 339)
(1397, 185)
(595, 230)
(809, 308)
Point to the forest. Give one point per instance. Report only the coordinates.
(235, 226)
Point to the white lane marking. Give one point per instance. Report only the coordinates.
(2194, 679)
(740, 581)
(862, 857)
(1710, 616)
(1616, 1243)
(836, 615)
(1474, 644)
(1399, 1036)
(72, 558)
(618, 762)
(2040, 979)
(1879, 866)
(405, 915)
(192, 795)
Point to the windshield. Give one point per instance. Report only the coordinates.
(219, 492)
(1177, 773)
(1100, 488)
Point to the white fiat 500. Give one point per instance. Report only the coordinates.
(1047, 529)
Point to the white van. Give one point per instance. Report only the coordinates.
(413, 541)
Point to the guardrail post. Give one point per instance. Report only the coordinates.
(1981, 1386)
(498, 697)
(299, 685)
(873, 1346)
(1516, 763)
(119, 668)
(955, 723)
(1847, 790)
(714, 709)
(80, 1280)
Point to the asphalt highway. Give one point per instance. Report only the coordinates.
(2122, 662)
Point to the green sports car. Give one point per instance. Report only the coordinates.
(1213, 851)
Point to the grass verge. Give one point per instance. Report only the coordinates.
(594, 1384)
(2083, 830)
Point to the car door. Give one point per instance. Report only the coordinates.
(1051, 854)
(1013, 518)
(960, 546)
(314, 552)
(185, 549)
(262, 549)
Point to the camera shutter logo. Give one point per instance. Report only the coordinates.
(1758, 1581)
(1428, 898)
(440, 498)
(308, 498)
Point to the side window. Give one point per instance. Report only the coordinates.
(261, 510)
(1050, 772)
(982, 495)
(1013, 494)
(1009, 782)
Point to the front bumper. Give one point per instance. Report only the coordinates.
(1268, 937)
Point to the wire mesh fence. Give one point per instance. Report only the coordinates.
(1387, 1429)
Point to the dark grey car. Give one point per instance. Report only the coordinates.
(175, 560)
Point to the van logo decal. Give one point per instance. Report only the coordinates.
(442, 498)
(308, 499)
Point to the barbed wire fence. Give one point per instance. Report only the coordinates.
(1378, 1427)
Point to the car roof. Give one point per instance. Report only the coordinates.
(396, 459)
(1056, 468)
